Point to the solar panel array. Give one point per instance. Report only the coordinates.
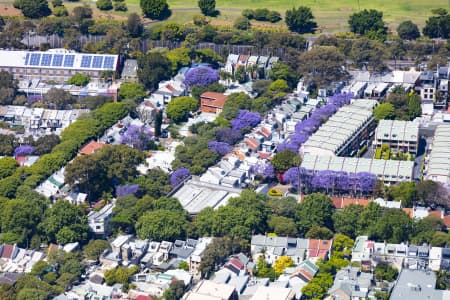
(68, 60)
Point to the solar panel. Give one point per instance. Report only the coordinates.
(86, 61)
(108, 62)
(35, 59)
(27, 58)
(69, 60)
(46, 60)
(97, 62)
(57, 60)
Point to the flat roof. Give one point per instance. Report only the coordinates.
(341, 127)
(397, 130)
(439, 162)
(391, 170)
(58, 59)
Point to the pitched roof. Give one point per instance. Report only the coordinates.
(8, 250)
(91, 148)
(409, 211)
(447, 221)
(252, 143)
(218, 98)
(342, 202)
(266, 132)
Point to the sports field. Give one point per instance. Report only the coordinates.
(331, 15)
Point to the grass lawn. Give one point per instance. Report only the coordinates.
(331, 15)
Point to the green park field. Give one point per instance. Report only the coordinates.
(331, 15)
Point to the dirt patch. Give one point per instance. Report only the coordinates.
(8, 10)
(346, 9)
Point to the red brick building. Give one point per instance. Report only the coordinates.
(211, 102)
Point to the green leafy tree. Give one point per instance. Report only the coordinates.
(283, 226)
(95, 248)
(79, 79)
(321, 233)
(59, 99)
(345, 220)
(179, 108)
(407, 30)
(64, 222)
(218, 251)
(322, 65)
(175, 291)
(8, 87)
(153, 69)
(104, 4)
(384, 271)
(284, 160)
(369, 23)
(234, 103)
(315, 210)
(34, 9)
(283, 71)
(134, 25)
(179, 57)
(438, 25)
(342, 243)
(242, 23)
(278, 89)
(368, 53)
(300, 20)
(132, 90)
(162, 225)
(384, 111)
(155, 9)
(208, 7)
(7, 166)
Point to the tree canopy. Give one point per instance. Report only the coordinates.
(369, 23)
(155, 9)
(300, 20)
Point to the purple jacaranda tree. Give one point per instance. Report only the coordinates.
(219, 147)
(137, 136)
(124, 190)
(228, 135)
(245, 119)
(201, 76)
(23, 150)
(304, 129)
(367, 181)
(178, 176)
(294, 174)
(265, 170)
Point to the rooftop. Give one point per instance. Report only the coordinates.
(389, 170)
(58, 58)
(439, 162)
(397, 130)
(340, 127)
(416, 285)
